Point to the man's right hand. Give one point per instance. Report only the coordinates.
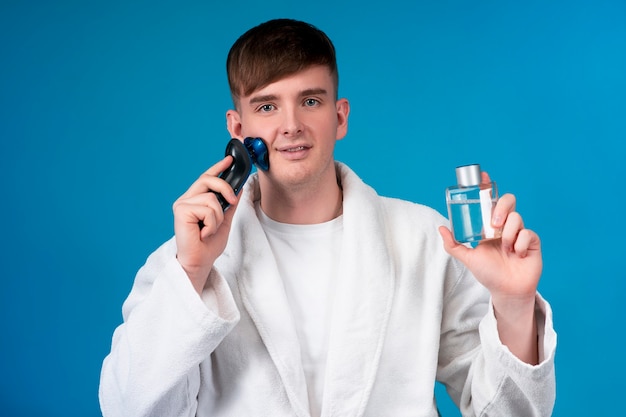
(197, 247)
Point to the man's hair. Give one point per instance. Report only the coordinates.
(276, 49)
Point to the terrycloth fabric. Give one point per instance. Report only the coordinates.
(405, 315)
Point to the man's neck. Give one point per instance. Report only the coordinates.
(314, 204)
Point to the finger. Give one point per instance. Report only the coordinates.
(510, 232)
(209, 180)
(210, 200)
(204, 199)
(207, 199)
(210, 223)
(230, 212)
(204, 209)
(220, 166)
(186, 215)
(505, 205)
(527, 240)
(484, 177)
(451, 246)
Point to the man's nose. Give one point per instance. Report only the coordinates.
(291, 123)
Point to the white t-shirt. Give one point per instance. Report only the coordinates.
(308, 259)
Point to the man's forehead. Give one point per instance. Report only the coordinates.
(295, 85)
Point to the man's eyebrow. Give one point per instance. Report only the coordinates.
(313, 92)
(260, 99)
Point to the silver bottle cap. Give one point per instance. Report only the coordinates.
(468, 175)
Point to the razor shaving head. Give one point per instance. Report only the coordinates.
(258, 152)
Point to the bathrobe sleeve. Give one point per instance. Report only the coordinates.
(153, 366)
(481, 375)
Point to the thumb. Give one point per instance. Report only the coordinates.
(454, 249)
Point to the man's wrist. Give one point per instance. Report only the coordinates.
(517, 326)
(198, 276)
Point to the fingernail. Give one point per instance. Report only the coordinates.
(497, 220)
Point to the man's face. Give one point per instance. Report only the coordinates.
(300, 122)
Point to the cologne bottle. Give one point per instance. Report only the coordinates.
(470, 206)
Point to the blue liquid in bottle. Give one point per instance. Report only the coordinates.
(470, 206)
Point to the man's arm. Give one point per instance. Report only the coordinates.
(510, 269)
(168, 330)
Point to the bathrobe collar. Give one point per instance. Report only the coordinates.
(361, 307)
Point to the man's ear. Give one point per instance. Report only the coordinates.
(233, 124)
(343, 110)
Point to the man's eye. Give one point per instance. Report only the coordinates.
(266, 108)
(311, 102)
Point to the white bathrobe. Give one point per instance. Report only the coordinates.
(405, 314)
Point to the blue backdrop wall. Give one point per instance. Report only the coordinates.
(110, 109)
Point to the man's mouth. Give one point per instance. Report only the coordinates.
(294, 152)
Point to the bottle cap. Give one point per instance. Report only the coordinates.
(468, 175)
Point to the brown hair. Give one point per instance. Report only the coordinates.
(276, 49)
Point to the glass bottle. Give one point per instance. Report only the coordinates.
(470, 206)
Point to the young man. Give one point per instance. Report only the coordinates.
(314, 296)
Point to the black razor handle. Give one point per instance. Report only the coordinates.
(237, 173)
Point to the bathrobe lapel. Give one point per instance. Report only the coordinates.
(362, 302)
(263, 296)
(360, 311)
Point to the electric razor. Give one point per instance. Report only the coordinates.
(237, 173)
(251, 151)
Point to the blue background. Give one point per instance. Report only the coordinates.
(110, 109)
